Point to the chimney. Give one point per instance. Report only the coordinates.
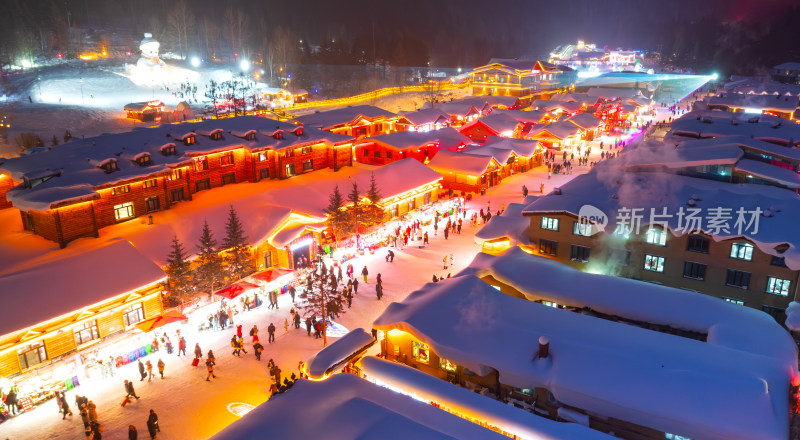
(544, 347)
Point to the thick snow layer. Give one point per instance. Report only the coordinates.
(447, 137)
(354, 341)
(448, 161)
(396, 178)
(520, 147)
(793, 316)
(670, 157)
(81, 280)
(720, 124)
(426, 116)
(497, 122)
(340, 116)
(610, 189)
(457, 108)
(745, 143)
(665, 382)
(79, 160)
(522, 116)
(506, 417)
(346, 407)
(782, 176)
(752, 86)
(511, 224)
(549, 105)
(612, 93)
(540, 278)
(760, 102)
(559, 130)
(501, 155)
(586, 121)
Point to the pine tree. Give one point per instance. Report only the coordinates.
(372, 213)
(336, 215)
(239, 261)
(322, 293)
(179, 274)
(352, 218)
(67, 136)
(54, 142)
(211, 269)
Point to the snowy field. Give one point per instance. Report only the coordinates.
(191, 408)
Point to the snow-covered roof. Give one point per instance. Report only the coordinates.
(586, 121)
(79, 159)
(527, 64)
(671, 157)
(754, 86)
(782, 176)
(521, 147)
(344, 115)
(345, 407)
(761, 102)
(324, 361)
(447, 137)
(583, 98)
(665, 382)
(398, 177)
(448, 161)
(426, 116)
(510, 225)
(456, 108)
(609, 188)
(489, 100)
(721, 123)
(522, 116)
(70, 282)
(745, 143)
(523, 424)
(497, 122)
(788, 66)
(559, 130)
(548, 105)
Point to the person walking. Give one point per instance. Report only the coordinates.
(92, 409)
(293, 291)
(132, 433)
(425, 238)
(308, 326)
(142, 371)
(210, 367)
(239, 330)
(182, 346)
(355, 284)
(129, 391)
(296, 320)
(271, 331)
(365, 272)
(150, 374)
(161, 366)
(444, 261)
(285, 325)
(152, 424)
(234, 345)
(258, 348)
(198, 353)
(254, 333)
(63, 404)
(446, 233)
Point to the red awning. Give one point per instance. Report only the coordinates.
(235, 290)
(160, 320)
(271, 274)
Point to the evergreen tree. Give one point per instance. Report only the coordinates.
(213, 94)
(239, 261)
(354, 211)
(67, 136)
(54, 142)
(323, 293)
(211, 269)
(372, 213)
(336, 215)
(179, 274)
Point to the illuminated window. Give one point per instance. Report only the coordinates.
(778, 286)
(738, 278)
(550, 223)
(733, 300)
(262, 157)
(133, 314)
(654, 263)
(124, 189)
(290, 170)
(584, 229)
(86, 333)
(176, 195)
(446, 365)
(420, 352)
(176, 175)
(123, 211)
(152, 183)
(394, 211)
(144, 160)
(153, 204)
(32, 355)
(200, 163)
(657, 237)
(189, 140)
(289, 153)
(226, 159)
(306, 150)
(742, 251)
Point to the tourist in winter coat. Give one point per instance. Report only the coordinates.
(296, 320)
(152, 424)
(141, 371)
(129, 391)
(258, 348)
(161, 368)
(239, 330)
(132, 433)
(254, 333)
(85, 416)
(234, 345)
(355, 285)
(365, 272)
(150, 374)
(63, 405)
(425, 238)
(182, 346)
(210, 367)
(308, 326)
(198, 353)
(271, 331)
(92, 409)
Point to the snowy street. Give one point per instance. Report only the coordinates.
(191, 408)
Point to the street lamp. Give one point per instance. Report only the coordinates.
(245, 65)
